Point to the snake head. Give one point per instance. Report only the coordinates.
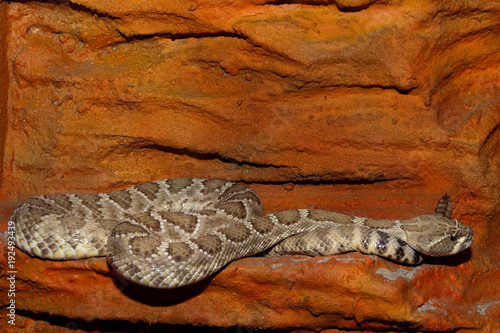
(436, 235)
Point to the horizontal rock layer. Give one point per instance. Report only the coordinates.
(373, 108)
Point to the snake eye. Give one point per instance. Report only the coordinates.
(453, 238)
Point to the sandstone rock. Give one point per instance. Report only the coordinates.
(373, 108)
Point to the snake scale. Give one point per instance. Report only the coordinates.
(174, 232)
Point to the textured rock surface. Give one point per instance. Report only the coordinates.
(374, 108)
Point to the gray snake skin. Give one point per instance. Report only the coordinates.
(174, 232)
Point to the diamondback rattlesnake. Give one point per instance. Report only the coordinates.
(175, 232)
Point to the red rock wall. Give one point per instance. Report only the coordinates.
(374, 108)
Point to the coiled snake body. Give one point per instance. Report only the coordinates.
(175, 232)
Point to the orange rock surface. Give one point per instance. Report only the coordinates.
(373, 108)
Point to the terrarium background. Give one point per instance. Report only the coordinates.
(373, 108)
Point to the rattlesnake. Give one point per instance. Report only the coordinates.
(175, 232)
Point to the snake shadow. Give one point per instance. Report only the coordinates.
(454, 260)
(159, 297)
